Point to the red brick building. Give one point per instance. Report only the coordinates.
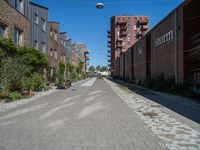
(124, 32)
(171, 48)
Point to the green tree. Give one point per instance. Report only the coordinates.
(61, 72)
(98, 68)
(104, 68)
(91, 69)
(79, 69)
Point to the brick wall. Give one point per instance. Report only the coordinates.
(12, 18)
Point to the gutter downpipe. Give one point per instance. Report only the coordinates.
(176, 48)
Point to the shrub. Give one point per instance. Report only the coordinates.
(14, 96)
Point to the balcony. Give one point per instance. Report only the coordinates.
(124, 28)
(121, 23)
(109, 60)
(87, 58)
(123, 34)
(109, 42)
(87, 52)
(109, 45)
(109, 51)
(119, 45)
(109, 33)
(108, 55)
(119, 39)
(145, 27)
(143, 22)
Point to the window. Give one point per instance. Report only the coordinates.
(56, 36)
(43, 47)
(17, 36)
(51, 52)
(19, 5)
(36, 18)
(43, 25)
(36, 44)
(2, 30)
(51, 32)
(55, 54)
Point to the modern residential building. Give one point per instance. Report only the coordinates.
(79, 54)
(69, 50)
(38, 19)
(63, 46)
(171, 48)
(124, 32)
(54, 45)
(14, 22)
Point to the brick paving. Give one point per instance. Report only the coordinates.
(85, 118)
(175, 135)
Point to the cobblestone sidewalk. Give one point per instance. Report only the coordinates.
(176, 135)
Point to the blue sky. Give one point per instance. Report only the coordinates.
(84, 23)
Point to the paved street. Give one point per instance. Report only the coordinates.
(92, 115)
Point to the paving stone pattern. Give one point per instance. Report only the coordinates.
(175, 135)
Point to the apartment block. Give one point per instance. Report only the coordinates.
(63, 46)
(54, 45)
(124, 32)
(80, 54)
(171, 48)
(14, 22)
(69, 50)
(38, 16)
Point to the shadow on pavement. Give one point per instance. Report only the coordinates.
(186, 107)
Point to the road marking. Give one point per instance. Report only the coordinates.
(89, 83)
(23, 111)
(53, 111)
(70, 98)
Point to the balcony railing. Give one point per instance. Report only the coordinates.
(143, 22)
(119, 39)
(121, 23)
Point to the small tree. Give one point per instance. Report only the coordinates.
(91, 69)
(104, 68)
(61, 72)
(98, 68)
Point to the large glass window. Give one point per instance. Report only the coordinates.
(19, 5)
(36, 18)
(43, 25)
(17, 36)
(43, 47)
(36, 45)
(2, 30)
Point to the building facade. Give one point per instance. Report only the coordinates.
(63, 46)
(80, 54)
(38, 18)
(171, 48)
(14, 22)
(124, 32)
(54, 45)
